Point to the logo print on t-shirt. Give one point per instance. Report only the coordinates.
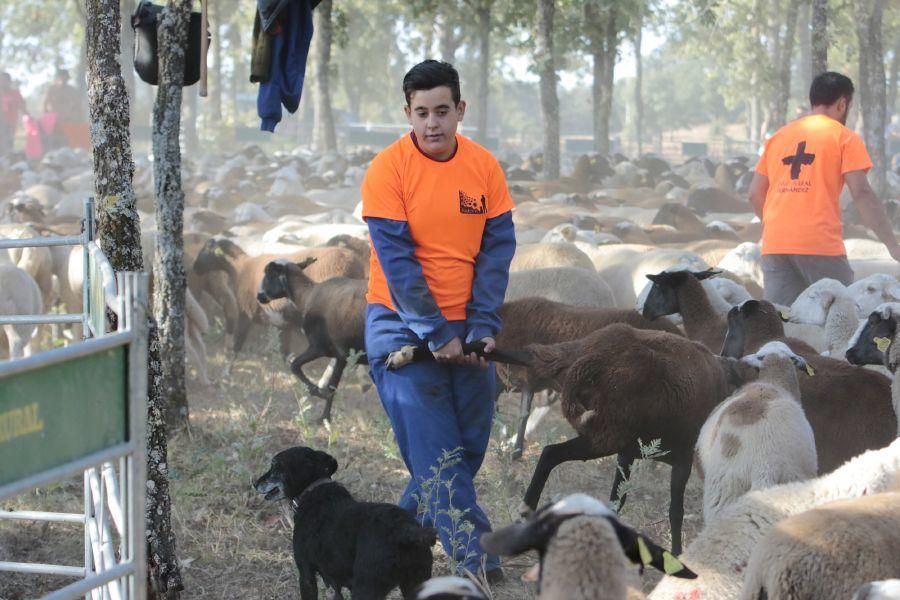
(798, 160)
(470, 206)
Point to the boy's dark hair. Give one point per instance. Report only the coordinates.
(829, 87)
(430, 74)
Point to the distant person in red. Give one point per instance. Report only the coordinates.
(62, 107)
(12, 106)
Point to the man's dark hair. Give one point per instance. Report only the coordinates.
(829, 87)
(430, 74)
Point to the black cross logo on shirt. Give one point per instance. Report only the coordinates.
(798, 160)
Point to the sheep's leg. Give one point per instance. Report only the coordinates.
(296, 363)
(681, 472)
(524, 411)
(578, 448)
(332, 388)
(284, 342)
(625, 461)
(242, 328)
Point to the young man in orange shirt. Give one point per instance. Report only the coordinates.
(439, 219)
(796, 191)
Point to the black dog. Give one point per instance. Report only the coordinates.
(369, 548)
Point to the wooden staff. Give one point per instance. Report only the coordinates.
(204, 45)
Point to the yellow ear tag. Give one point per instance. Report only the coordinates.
(784, 314)
(671, 564)
(644, 551)
(810, 371)
(882, 343)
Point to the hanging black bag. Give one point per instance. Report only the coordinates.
(146, 54)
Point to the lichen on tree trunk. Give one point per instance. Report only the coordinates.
(168, 268)
(119, 236)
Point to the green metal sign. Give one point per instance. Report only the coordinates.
(62, 412)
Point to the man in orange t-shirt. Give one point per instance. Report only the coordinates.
(442, 235)
(796, 191)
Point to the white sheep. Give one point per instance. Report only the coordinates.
(572, 286)
(540, 256)
(719, 554)
(887, 589)
(19, 295)
(585, 550)
(759, 436)
(746, 261)
(828, 552)
(873, 290)
(826, 304)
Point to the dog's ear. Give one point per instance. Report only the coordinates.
(326, 462)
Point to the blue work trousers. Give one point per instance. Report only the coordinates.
(436, 410)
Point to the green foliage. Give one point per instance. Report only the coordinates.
(461, 529)
(653, 450)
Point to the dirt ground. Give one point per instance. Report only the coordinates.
(232, 544)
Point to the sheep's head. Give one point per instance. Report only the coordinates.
(872, 291)
(276, 281)
(662, 299)
(758, 318)
(459, 588)
(813, 303)
(540, 529)
(774, 355)
(871, 342)
(216, 255)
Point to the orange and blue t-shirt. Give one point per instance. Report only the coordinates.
(442, 237)
(805, 163)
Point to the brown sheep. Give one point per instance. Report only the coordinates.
(541, 321)
(681, 292)
(246, 273)
(331, 315)
(622, 384)
(848, 407)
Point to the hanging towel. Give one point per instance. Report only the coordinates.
(291, 35)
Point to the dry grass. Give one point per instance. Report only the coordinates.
(235, 545)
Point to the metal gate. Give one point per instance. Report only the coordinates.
(82, 409)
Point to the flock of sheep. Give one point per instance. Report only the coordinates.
(634, 297)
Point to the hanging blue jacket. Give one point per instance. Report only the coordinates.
(290, 48)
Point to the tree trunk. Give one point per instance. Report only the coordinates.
(784, 52)
(603, 28)
(872, 93)
(546, 68)
(235, 49)
(126, 58)
(119, 236)
(819, 36)
(448, 40)
(483, 19)
(894, 84)
(804, 41)
(638, 84)
(215, 88)
(191, 107)
(168, 270)
(324, 139)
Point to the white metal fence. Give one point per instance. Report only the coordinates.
(113, 463)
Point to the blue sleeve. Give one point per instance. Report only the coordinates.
(410, 294)
(498, 244)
